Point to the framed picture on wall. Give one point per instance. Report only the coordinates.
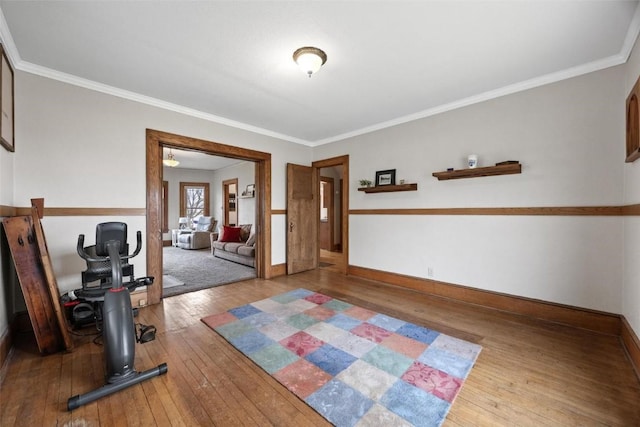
(6, 102)
(633, 124)
(387, 177)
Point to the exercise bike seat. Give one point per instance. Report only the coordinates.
(97, 278)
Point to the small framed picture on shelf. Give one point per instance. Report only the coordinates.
(387, 177)
(251, 190)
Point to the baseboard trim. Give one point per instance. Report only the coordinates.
(139, 298)
(631, 343)
(278, 270)
(5, 347)
(18, 324)
(592, 320)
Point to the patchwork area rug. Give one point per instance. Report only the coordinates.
(350, 364)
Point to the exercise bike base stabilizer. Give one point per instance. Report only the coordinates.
(106, 262)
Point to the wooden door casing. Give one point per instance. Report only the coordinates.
(327, 226)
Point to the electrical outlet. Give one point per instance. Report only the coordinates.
(429, 271)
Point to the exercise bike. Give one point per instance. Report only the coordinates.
(109, 303)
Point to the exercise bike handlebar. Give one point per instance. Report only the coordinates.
(84, 255)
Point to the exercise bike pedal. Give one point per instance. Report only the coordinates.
(146, 333)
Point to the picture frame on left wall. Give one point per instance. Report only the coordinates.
(633, 123)
(7, 137)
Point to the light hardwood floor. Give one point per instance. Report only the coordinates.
(529, 373)
(331, 261)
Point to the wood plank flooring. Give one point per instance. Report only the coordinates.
(332, 261)
(529, 373)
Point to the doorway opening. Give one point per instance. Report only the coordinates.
(193, 255)
(230, 201)
(155, 141)
(333, 197)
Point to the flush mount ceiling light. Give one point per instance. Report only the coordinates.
(170, 160)
(309, 59)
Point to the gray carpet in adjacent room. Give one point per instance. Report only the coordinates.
(198, 269)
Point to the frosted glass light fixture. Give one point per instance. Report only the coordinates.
(309, 59)
(170, 160)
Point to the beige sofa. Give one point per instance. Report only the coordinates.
(241, 250)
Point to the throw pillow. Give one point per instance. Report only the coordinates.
(230, 234)
(251, 240)
(245, 232)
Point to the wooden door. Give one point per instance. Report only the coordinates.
(302, 219)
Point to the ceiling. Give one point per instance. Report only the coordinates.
(190, 159)
(389, 62)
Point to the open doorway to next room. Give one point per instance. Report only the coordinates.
(331, 218)
(201, 196)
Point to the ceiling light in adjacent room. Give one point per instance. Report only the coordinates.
(309, 59)
(170, 160)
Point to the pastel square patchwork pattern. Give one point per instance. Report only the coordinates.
(353, 366)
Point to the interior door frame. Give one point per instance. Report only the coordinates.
(155, 141)
(344, 217)
(225, 201)
(330, 209)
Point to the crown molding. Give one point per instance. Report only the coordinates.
(143, 99)
(6, 39)
(476, 99)
(19, 64)
(614, 60)
(632, 35)
(486, 96)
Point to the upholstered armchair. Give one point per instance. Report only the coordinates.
(199, 238)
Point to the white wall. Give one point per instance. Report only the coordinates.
(245, 208)
(569, 137)
(631, 278)
(80, 148)
(174, 177)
